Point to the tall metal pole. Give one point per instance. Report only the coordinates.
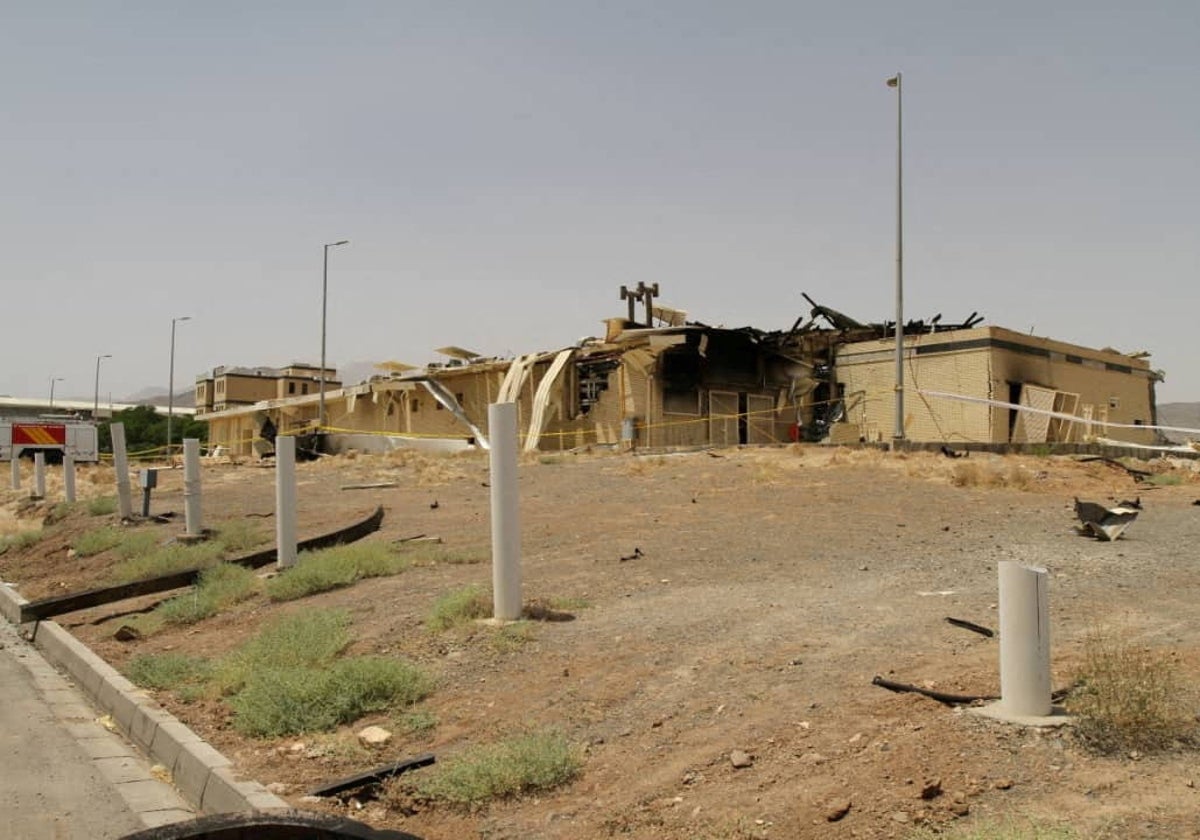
(324, 302)
(898, 434)
(96, 398)
(171, 383)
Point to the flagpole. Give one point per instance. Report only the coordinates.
(898, 434)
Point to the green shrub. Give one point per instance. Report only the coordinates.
(135, 543)
(459, 607)
(102, 506)
(238, 536)
(1000, 830)
(289, 701)
(59, 512)
(175, 557)
(524, 764)
(308, 639)
(418, 723)
(331, 568)
(1166, 479)
(20, 540)
(97, 541)
(167, 670)
(218, 588)
(1130, 698)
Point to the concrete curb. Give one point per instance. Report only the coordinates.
(202, 775)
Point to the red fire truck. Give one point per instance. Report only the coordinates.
(22, 437)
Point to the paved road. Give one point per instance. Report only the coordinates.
(64, 776)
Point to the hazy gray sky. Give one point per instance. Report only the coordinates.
(503, 167)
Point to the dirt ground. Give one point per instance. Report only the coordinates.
(763, 591)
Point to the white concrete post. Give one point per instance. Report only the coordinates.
(192, 511)
(69, 477)
(1024, 640)
(16, 472)
(121, 466)
(506, 525)
(39, 475)
(285, 501)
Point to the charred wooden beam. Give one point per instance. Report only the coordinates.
(60, 604)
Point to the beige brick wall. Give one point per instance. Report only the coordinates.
(983, 371)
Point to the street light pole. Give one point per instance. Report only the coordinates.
(324, 302)
(53, 379)
(898, 434)
(96, 398)
(171, 381)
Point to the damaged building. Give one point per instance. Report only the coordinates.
(658, 380)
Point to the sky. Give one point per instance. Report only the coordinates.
(502, 168)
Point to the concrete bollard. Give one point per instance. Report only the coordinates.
(16, 472)
(192, 511)
(69, 478)
(285, 501)
(506, 525)
(1024, 640)
(39, 475)
(121, 466)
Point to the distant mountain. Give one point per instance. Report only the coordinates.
(1186, 415)
(158, 396)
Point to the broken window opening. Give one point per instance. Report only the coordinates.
(681, 374)
(593, 381)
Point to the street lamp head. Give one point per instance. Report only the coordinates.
(343, 242)
(183, 318)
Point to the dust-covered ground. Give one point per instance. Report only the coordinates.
(738, 600)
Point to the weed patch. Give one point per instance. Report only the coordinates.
(97, 541)
(167, 670)
(520, 765)
(102, 506)
(1166, 479)
(166, 559)
(20, 540)
(459, 607)
(308, 639)
(331, 568)
(289, 701)
(1130, 698)
(1000, 830)
(237, 536)
(218, 588)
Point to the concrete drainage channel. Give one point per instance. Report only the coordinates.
(203, 776)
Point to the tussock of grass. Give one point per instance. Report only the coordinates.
(289, 701)
(418, 723)
(1166, 479)
(238, 536)
(102, 506)
(167, 670)
(1130, 698)
(512, 637)
(331, 568)
(59, 512)
(218, 588)
(135, 543)
(459, 607)
(567, 603)
(1000, 830)
(97, 541)
(524, 764)
(966, 473)
(308, 639)
(175, 557)
(20, 540)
